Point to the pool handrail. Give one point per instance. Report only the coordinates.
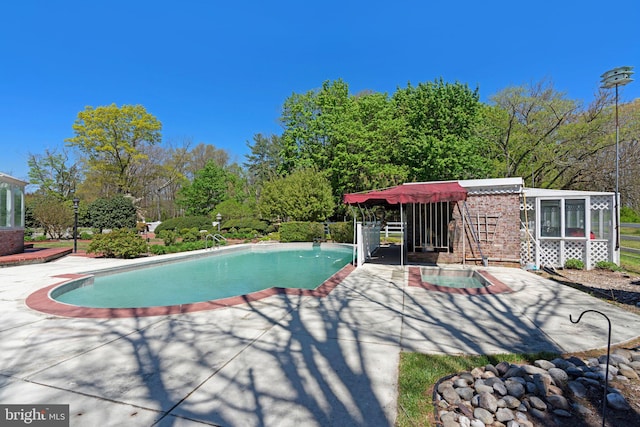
(215, 240)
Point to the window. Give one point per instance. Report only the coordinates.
(574, 219)
(550, 218)
(5, 206)
(17, 208)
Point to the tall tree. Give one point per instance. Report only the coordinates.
(54, 173)
(443, 139)
(526, 123)
(265, 160)
(113, 140)
(212, 185)
(304, 195)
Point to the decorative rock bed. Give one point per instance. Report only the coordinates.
(514, 395)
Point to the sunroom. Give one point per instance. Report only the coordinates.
(558, 225)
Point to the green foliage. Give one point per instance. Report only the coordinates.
(442, 141)
(212, 185)
(169, 237)
(190, 234)
(301, 231)
(231, 209)
(53, 174)
(122, 243)
(116, 212)
(341, 232)
(607, 265)
(113, 140)
(200, 222)
(86, 235)
(264, 162)
(574, 264)
(629, 215)
(246, 223)
(158, 249)
(53, 214)
(305, 195)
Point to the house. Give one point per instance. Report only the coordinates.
(11, 215)
(494, 221)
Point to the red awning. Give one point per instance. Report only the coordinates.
(431, 192)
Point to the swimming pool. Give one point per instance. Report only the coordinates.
(205, 278)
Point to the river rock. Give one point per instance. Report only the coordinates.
(504, 414)
(544, 364)
(483, 415)
(577, 389)
(537, 403)
(558, 402)
(617, 401)
(514, 389)
(489, 402)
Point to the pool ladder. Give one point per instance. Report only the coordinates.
(215, 240)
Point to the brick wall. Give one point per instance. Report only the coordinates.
(11, 242)
(501, 244)
(499, 218)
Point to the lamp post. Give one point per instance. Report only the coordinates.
(619, 76)
(219, 218)
(76, 202)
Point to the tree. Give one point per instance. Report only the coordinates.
(304, 195)
(212, 185)
(114, 213)
(53, 173)
(525, 124)
(113, 140)
(265, 160)
(443, 139)
(54, 214)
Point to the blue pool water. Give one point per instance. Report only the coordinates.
(209, 278)
(449, 278)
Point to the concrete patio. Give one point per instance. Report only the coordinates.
(281, 361)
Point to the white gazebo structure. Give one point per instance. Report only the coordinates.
(11, 215)
(557, 225)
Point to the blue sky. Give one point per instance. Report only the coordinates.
(218, 73)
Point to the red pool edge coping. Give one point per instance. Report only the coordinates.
(497, 287)
(41, 301)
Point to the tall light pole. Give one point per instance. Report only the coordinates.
(619, 76)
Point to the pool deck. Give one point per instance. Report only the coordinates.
(286, 360)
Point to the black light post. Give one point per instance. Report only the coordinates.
(613, 78)
(219, 218)
(76, 202)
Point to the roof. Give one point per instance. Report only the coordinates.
(11, 180)
(426, 192)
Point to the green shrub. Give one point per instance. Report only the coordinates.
(246, 223)
(606, 265)
(628, 215)
(574, 264)
(190, 234)
(169, 237)
(295, 231)
(86, 235)
(158, 249)
(120, 243)
(341, 232)
(198, 222)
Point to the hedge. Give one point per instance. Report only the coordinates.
(341, 232)
(295, 231)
